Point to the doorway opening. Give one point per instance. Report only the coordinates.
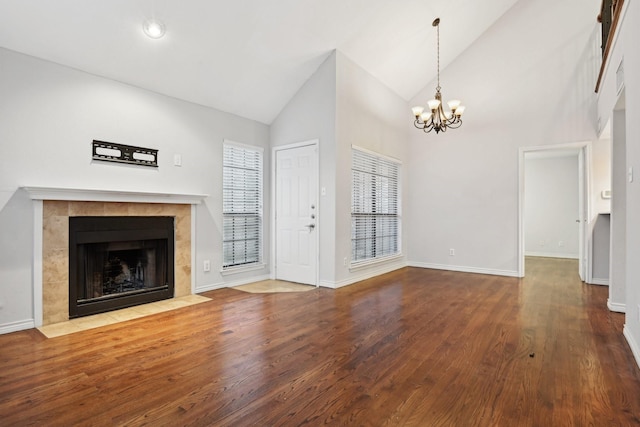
(570, 223)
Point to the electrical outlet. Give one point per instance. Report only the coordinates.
(561, 243)
(344, 261)
(452, 252)
(207, 265)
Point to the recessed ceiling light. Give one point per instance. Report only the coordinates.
(153, 28)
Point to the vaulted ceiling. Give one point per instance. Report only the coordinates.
(247, 57)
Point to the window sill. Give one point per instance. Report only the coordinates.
(376, 261)
(241, 269)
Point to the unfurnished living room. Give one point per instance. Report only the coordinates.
(319, 212)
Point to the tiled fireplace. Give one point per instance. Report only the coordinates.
(54, 279)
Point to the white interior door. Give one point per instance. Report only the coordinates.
(296, 214)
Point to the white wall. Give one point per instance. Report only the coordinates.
(551, 207)
(626, 253)
(523, 87)
(618, 260)
(50, 115)
(632, 103)
(311, 114)
(342, 105)
(369, 115)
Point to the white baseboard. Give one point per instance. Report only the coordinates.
(21, 325)
(463, 269)
(214, 286)
(363, 275)
(551, 255)
(602, 282)
(635, 349)
(616, 306)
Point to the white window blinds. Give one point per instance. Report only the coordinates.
(241, 206)
(375, 219)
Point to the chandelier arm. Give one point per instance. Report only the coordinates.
(455, 125)
(451, 121)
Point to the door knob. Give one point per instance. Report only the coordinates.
(311, 226)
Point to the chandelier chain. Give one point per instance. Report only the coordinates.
(438, 50)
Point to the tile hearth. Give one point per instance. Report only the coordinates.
(112, 317)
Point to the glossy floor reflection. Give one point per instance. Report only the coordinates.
(415, 347)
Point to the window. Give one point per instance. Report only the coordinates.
(375, 219)
(241, 206)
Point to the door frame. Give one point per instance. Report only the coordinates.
(274, 203)
(584, 184)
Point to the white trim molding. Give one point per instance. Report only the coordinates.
(372, 272)
(616, 306)
(551, 255)
(214, 286)
(20, 325)
(242, 269)
(635, 348)
(600, 282)
(99, 195)
(463, 269)
(585, 147)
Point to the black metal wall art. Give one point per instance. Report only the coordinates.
(120, 153)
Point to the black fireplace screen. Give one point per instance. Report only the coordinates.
(117, 262)
(118, 268)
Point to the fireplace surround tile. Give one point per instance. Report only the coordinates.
(86, 208)
(55, 262)
(183, 280)
(55, 302)
(55, 246)
(57, 208)
(55, 232)
(183, 228)
(183, 252)
(116, 209)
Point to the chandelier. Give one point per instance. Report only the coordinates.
(436, 118)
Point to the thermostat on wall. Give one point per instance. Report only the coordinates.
(606, 194)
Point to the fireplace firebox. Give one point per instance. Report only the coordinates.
(118, 262)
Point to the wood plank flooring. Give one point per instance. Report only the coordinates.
(415, 347)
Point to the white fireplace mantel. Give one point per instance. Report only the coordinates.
(99, 195)
(41, 194)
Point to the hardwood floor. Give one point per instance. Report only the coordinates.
(413, 347)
